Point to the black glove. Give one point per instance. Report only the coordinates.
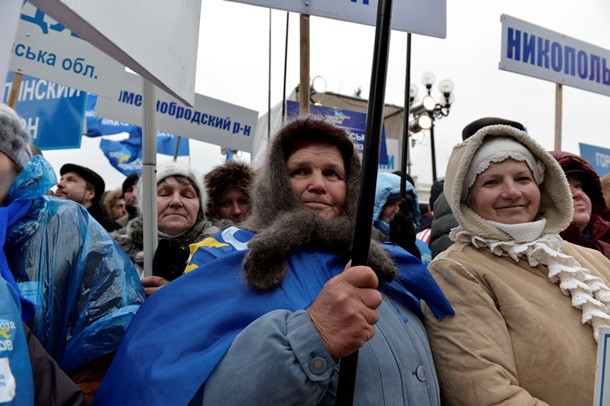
(170, 259)
(402, 230)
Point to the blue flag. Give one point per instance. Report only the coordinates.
(181, 332)
(125, 155)
(96, 127)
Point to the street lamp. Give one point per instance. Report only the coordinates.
(429, 110)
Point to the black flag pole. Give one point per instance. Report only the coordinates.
(405, 124)
(368, 175)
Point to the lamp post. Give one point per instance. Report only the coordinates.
(426, 112)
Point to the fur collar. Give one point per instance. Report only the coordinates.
(131, 237)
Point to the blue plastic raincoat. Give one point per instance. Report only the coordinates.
(83, 285)
(388, 185)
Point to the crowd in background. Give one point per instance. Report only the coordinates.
(525, 231)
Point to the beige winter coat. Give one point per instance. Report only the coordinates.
(515, 338)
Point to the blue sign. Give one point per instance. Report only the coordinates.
(52, 113)
(352, 121)
(598, 157)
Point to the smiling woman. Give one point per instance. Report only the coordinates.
(525, 284)
(180, 222)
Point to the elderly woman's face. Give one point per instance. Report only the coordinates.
(177, 206)
(317, 177)
(506, 192)
(582, 203)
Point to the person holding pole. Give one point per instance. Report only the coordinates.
(266, 312)
(528, 305)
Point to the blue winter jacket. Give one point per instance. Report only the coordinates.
(84, 286)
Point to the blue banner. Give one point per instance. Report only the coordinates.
(354, 122)
(598, 157)
(53, 114)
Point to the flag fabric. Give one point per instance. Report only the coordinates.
(166, 144)
(181, 332)
(127, 154)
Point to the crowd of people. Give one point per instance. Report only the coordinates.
(495, 295)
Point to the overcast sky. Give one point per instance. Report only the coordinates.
(233, 67)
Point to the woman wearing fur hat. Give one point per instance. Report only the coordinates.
(228, 193)
(528, 305)
(180, 222)
(271, 308)
(590, 225)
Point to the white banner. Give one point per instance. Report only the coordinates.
(425, 17)
(9, 19)
(155, 38)
(209, 120)
(544, 54)
(47, 50)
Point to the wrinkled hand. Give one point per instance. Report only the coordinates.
(402, 230)
(345, 312)
(152, 284)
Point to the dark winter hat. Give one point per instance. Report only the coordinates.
(232, 173)
(130, 181)
(89, 175)
(435, 191)
(476, 125)
(15, 141)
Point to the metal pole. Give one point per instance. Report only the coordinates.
(269, 87)
(405, 123)
(177, 149)
(433, 149)
(149, 176)
(285, 70)
(304, 83)
(368, 175)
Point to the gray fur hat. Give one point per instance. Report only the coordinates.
(15, 141)
(282, 223)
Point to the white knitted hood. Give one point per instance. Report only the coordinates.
(556, 199)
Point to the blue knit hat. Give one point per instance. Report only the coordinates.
(14, 139)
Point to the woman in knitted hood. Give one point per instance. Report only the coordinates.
(528, 305)
(180, 222)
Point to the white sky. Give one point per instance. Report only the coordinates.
(233, 67)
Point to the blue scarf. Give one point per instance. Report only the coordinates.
(8, 216)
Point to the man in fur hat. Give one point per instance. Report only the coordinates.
(269, 310)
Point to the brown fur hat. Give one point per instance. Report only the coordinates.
(282, 223)
(231, 173)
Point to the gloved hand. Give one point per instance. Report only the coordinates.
(402, 230)
(170, 259)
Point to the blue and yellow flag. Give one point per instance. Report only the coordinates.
(182, 331)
